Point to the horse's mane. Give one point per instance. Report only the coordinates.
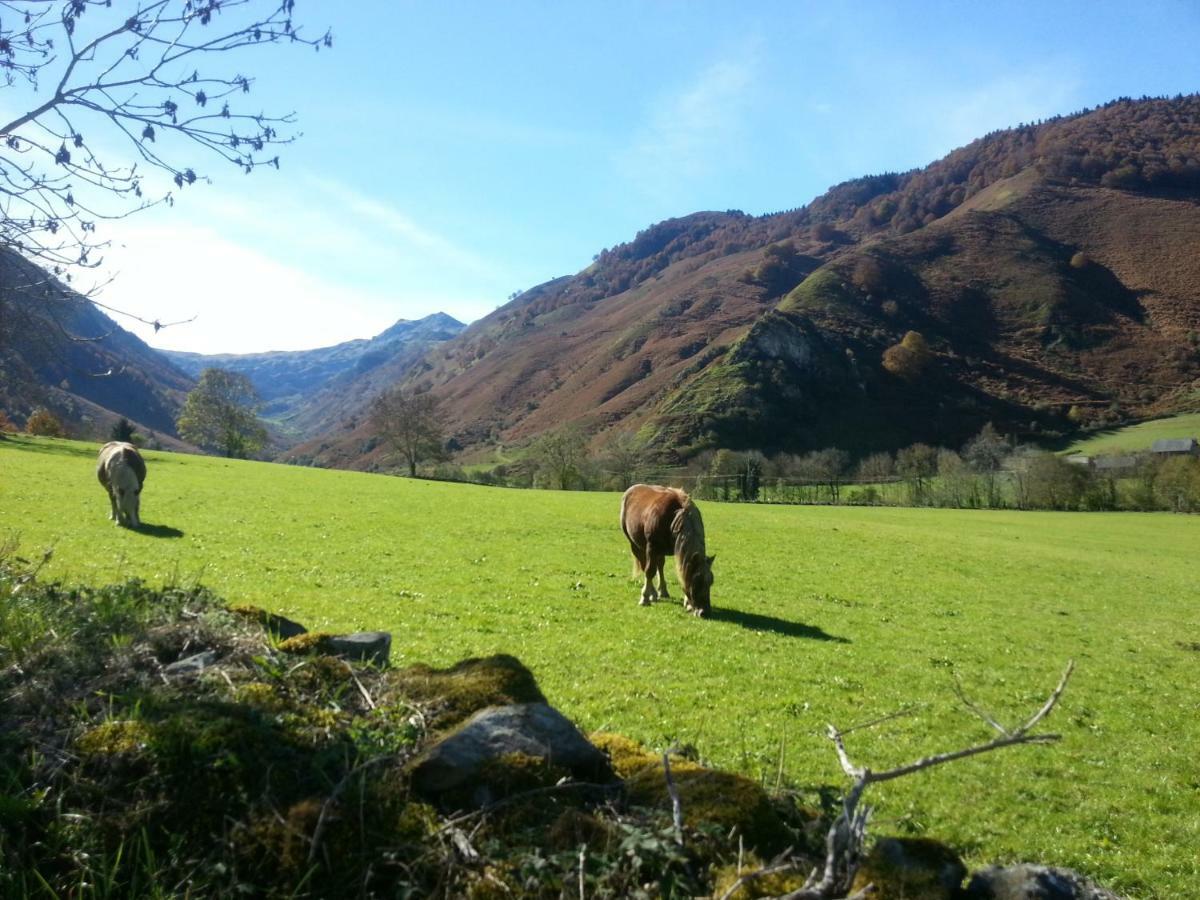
(688, 528)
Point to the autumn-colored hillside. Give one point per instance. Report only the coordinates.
(1050, 268)
(60, 351)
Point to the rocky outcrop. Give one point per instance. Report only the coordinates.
(522, 731)
(1033, 882)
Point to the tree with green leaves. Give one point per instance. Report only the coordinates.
(410, 424)
(220, 414)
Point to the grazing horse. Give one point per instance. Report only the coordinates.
(122, 471)
(659, 521)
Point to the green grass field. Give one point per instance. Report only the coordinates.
(822, 614)
(1138, 437)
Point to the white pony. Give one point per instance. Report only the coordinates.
(122, 471)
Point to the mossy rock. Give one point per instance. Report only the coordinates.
(516, 773)
(114, 738)
(708, 796)
(509, 776)
(911, 868)
(774, 885)
(261, 696)
(457, 693)
(309, 642)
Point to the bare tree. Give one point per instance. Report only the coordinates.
(876, 467)
(561, 455)
(986, 453)
(846, 838)
(112, 92)
(410, 425)
(627, 458)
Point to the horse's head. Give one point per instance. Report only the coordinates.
(127, 494)
(129, 501)
(700, 588)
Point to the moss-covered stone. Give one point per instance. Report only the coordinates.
(112, 738)
(708, 796)
(911, 868)
(456, 693)
(773, 885)
(309, 642)
(260, 695)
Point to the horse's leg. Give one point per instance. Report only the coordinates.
(649, 595)
(115, 515)
(662, 581)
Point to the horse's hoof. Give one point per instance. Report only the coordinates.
(643, 602)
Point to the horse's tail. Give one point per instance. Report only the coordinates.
(637, 567)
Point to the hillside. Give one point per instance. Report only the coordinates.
(306, 391)
(1135, 438)
(723, 329)
(60, 351)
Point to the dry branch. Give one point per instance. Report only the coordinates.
(846, 838)
(676, 803)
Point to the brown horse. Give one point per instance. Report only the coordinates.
(122, 472)
(659, 521)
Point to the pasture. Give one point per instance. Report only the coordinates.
(821, 614)
(1133, 438)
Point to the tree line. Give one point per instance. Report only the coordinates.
(990, 471)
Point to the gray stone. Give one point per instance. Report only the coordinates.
(1030, 882)
(912, 867)
(365, 646)
(532, 729)
(192, 665)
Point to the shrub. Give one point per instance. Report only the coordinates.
(122, 430)
(907, 359)
(1177, 484)
(6, 424)
(44, 423)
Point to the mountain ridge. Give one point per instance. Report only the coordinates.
(975, 248)
(295, 385)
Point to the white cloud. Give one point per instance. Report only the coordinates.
(394, 223)
(962, 115)
(287, 270)
(244, 300)
(693, 133)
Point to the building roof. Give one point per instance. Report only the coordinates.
(1174, 445)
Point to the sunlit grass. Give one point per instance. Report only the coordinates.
(823, 614)
(1139, 437)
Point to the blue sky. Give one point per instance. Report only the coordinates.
(455, 152)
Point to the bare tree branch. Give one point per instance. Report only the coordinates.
(676, 803)
(117, 93)
(846, 838)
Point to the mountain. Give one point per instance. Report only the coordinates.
(58, 350)
(307, 391)
(1050, 268)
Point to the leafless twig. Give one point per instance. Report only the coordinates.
(846, 837)
(676, 803)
